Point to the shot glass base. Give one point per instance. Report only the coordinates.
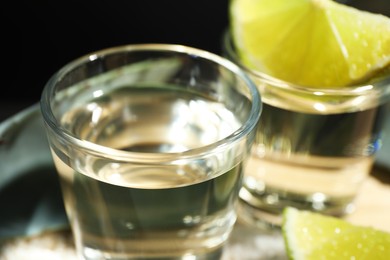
(258, 218)
(93, 254)
(258, 213)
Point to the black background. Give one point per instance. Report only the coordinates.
(40, 36)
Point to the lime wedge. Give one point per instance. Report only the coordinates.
(310, 235)
(317, 43)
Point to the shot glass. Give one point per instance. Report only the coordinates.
(150, 142)
(310, 152)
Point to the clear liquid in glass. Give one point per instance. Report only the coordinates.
(309, 160)
(126, 211)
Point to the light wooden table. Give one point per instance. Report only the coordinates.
(373, 202)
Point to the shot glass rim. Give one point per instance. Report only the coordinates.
(381, 86)
(99, 150)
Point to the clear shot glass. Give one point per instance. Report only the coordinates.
(314, 147)
(150, 142)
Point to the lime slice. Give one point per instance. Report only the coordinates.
(310, 235)
(317, 43)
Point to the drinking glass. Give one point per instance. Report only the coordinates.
(314, 147)
(150, 142)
